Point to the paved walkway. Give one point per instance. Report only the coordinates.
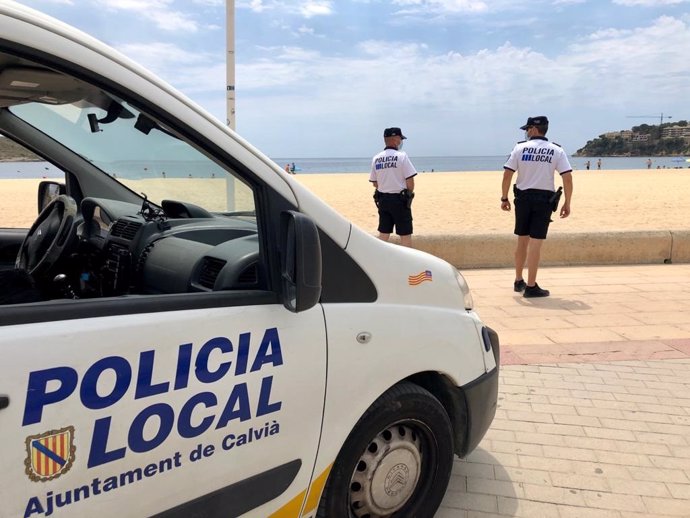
(594, 402)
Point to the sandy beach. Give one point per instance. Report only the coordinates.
(468, 202)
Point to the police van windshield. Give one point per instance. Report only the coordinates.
(138, 152)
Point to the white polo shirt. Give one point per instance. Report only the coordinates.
(389, 169)
(535, 161)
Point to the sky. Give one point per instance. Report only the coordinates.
(323, 78)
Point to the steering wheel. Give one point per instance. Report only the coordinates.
(48, 236)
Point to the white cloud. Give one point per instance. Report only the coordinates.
(442, 6)
(194, 73)
(158, 11)
(304, 8)
(295, 54)
(652, 51)
(304, 30)
(253, 5)
(611, 71)
(316, 8)
(649, 3)
(159, 55)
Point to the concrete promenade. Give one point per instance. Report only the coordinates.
(594, 401)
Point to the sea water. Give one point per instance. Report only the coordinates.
(359, 165)
(469, 163)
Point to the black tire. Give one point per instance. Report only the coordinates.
(396, 462)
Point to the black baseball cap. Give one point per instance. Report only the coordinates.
(393, 132)
(539, 120)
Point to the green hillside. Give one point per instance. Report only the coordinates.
(12, 152)
(643, 140)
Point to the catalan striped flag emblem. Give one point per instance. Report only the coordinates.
(49, 454)
(414, 280)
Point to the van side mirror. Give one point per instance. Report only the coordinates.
(47, 192)
(300, 261)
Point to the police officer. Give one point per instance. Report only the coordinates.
(392, 175)
(535, 160)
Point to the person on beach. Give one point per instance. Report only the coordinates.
(649, 163)
(599, 164)
(535, 160)
(392, 175)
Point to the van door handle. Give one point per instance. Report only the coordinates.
(4, 402)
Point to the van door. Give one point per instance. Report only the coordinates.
(214, 411)
(158, 368)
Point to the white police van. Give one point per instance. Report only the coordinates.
(224, 344)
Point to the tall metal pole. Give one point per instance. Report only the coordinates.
(230, 92)
(230, 66)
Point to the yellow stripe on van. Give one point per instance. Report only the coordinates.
(315, 491)
(291, 509)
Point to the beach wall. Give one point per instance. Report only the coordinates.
(601, 248)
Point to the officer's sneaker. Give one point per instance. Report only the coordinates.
(519, 286)
(535, 291)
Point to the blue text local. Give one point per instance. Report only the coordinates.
(536, 158)
(537, 154)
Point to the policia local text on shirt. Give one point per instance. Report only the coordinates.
(392, 175)
(535, 160)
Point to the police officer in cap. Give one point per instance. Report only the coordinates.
(392, 175)
(535, 160)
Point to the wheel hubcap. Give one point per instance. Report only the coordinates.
(387, 472)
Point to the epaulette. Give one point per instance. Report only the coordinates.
(556, 144)
(522, 141)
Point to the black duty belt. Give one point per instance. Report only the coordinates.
(539, 195)
(532, 191)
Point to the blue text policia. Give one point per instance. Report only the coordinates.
(536, 154)
(387, 161)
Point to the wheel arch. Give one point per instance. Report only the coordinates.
(453, 400)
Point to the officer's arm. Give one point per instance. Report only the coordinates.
(507, 177)
(375, 184)
(568, 192)
(410, 183)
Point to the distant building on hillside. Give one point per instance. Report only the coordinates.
(667, 139)
(676, 132)
(625, 134)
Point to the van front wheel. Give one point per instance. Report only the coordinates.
(396, 462)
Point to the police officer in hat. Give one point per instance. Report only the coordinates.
(392, 175)
(535, 160)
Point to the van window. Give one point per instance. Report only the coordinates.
(140, 153)
(143, 210)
